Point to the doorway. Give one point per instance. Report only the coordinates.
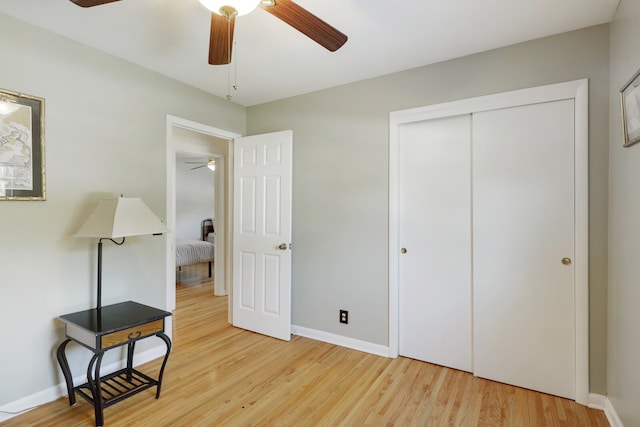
(185, 136)
(196, 201)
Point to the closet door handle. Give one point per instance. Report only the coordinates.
(566, 261)
(403, 250)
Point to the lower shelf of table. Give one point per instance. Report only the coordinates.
(118, 386)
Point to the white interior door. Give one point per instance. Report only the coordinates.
(435, 236)
(523, 220)
(262, 234)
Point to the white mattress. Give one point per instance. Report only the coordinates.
(190, 252)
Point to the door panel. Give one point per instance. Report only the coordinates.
(435, 230)
(248, 199)
(262, 211)
(523, 222)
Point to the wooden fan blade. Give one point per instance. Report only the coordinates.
(91, 3)
(308, 24)
(221, 39)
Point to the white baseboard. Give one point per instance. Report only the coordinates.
(25, 404)
(352, 343)
(598, 401)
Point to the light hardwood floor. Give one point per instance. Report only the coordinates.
(218, 375)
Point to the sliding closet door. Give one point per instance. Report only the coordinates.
(435, 237)
(523, 246)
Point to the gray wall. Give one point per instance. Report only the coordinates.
(105, 135)
(623, 373)
(340, 175)
(194, 198)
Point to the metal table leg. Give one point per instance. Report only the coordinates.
(64, 365)
(93, 381)
(167, 341)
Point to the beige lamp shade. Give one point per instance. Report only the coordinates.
(121, 217)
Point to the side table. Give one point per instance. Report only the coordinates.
(102, 329)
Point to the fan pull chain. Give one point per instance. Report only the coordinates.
(235, 67)
(229, 97)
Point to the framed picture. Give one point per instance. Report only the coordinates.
(630, 103)
(22, 160)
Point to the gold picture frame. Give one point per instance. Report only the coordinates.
(630, 105)
(22, 155)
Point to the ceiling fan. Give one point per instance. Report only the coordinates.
(210, 163)
(224, 13)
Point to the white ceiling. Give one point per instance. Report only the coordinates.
(274, 61)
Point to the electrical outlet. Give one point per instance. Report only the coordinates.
(344, 316)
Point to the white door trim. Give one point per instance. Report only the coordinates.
(576, 90)
(225, 244)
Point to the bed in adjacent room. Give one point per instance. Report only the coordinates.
(189, 252)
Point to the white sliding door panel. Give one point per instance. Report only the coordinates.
(262, 234)
(523, 222)
(435, 229)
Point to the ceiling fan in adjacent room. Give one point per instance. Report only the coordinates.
(224, 13)
(210, 163)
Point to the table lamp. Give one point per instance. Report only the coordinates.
(119, 218)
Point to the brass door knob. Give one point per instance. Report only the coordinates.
(403, 250)
(282, 246)
(566, 261)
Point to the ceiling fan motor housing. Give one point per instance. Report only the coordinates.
(231, 8)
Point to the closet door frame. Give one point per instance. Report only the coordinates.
(577, 91)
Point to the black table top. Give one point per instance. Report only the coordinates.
(114, 317)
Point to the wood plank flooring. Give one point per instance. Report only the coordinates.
(218, 375)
